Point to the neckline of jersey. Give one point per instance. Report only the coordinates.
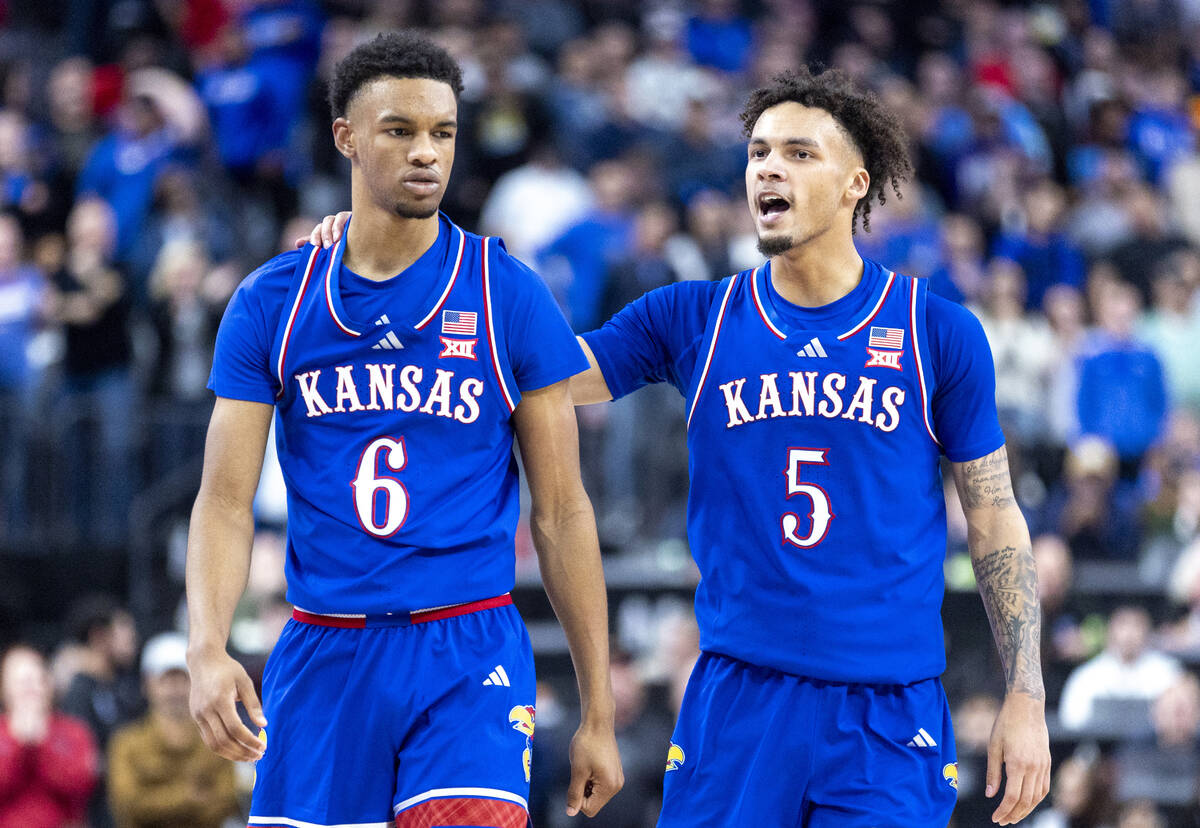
(835, 319)
(436, 257)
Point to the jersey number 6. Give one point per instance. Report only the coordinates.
(368, 485)
(820, 514)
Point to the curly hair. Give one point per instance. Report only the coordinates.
(391, 54)
(874, 130)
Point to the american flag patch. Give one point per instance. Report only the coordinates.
(886, 337)
(459, 323)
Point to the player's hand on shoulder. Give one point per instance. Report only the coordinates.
(218, 683)
(596, 773)
(1021, 744)
(328, 232)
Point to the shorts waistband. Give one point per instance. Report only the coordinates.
(399, 619)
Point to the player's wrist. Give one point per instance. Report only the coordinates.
(1026, 697)
(204, 648)
(598, 715)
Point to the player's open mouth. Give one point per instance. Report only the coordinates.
(771, 206)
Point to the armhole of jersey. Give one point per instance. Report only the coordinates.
(510, 399)
(712, 346)
(917, 328)
(296, 295)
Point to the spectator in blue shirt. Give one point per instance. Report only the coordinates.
(1122, 394)
(248, 124)
(1042, 249)
(1160, 131)
(720, 37)
(284, 41)
(20, 304)
(576, 264)
(125, 164)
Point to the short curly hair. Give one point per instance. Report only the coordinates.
(391, 54)
(875, 130)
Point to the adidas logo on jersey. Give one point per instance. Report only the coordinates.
(812, 349)
(389, 342)
(922, 739)
(497, 678)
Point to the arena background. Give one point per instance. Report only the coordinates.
(153, 152)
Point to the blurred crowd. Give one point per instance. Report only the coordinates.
(152, 153)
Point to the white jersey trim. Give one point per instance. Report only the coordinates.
(758, 303)
(287, 330)
(712, 347)
(296, 823)
(462, 243)
(444, 793)
(491, 328)
(925, 406)
(335, 257)
(874, 311)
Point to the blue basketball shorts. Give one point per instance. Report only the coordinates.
(754, 746)
(422, 719)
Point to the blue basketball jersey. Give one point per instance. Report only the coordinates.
(394, 433)
(816, 512)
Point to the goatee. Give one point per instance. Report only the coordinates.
(774, 245)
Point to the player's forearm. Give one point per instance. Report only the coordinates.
(569, 558)
(1002, 557)
(218, 566)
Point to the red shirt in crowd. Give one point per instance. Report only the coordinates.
(47, 785)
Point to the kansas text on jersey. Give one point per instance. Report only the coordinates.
(816, 512)
(394, 432)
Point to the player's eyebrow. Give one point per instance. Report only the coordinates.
(396, 118)
(787, 142)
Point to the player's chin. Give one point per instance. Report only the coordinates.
(773, 244)
(422, 209)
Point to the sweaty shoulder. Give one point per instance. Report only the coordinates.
(964, 379)
(542, 350)
(656, 337)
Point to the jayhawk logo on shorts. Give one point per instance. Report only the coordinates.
(522, 719)
(675, 757)
(950, 774)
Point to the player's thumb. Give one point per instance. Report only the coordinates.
(245, 688)
(995, 760)
(579, 778)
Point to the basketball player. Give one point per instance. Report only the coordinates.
(398, 365)
(821, 391)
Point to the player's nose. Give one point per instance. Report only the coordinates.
(771, 169)
(421, 151)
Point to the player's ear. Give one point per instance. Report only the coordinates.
(859, 185)
(343, 137)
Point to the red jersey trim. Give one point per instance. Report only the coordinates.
(712, 347)
(912, 322)
(358, 622)
(287, 330)
(489, 319)
(459, 811)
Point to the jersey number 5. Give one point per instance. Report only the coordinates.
(380, 496)
(821, 512)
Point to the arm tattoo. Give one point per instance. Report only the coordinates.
(1003, 561)
(1008, 584)
(986, 482)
